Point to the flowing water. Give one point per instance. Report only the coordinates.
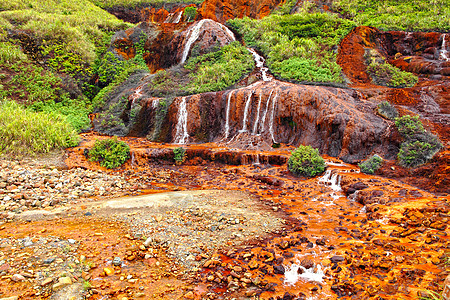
(247, 106)
(182, 136)
(227, 116)
(194, 34)
(259, 60)
(443, 53)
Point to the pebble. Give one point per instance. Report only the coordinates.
(117, 261)
(17, 278)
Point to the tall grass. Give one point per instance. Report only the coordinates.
(23, 132)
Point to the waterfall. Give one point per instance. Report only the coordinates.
(194, 33)
(274, 101)
(178, 19)
(259, 61)
(181, 135)
(155, 103)
(227, 116)
(443, 53)
(257, 115)
(247, 106)
(263, 120)
(136, 95)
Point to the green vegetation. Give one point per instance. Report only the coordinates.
(388, 75)
(372, 164)
(136, 3)
(179, 155)
(387, 110)
(218, 70)
(432, 295)
(24, 132)
(419, 145)
(110, 153)
(418, 15)
(190, 13)
(306, 161)
(299, 47)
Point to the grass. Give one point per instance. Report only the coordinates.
(24, 132)
(298, 47)
(408, 15)
(138, 3)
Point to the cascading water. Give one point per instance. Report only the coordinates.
(272, 117)
(257, 115)
(259, 60)
(292, 274)
(136, 95)
(443, 53)
(181, 135)
(178, 19)
(247, 106)
(194, 34)
(155, 103)
(263, 120)
(227, 116)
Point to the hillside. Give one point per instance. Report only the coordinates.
(175, 97)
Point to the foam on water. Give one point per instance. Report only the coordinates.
(291, 275)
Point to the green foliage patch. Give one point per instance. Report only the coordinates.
(137, 3)
(419, 145)
(24, 132)
(179, 154)
(299, 47)
(306, 161)
(372, 164)
(190, 13)
(110, 153)
(408, 15)
(388, 75)
(218, 70)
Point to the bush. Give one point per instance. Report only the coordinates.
(24, 132)
(409, 126)
(306, 161)
(419, 146)
(388, 75)
(386, 110)
(110, 153)
(190, 13)
(179, 154)
(370, 165)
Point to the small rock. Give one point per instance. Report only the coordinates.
(117, 261)
(46, 281)
(189, 295)
(108, 271)
(17, 278)
(337, 258)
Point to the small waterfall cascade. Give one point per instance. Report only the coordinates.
(247, 106)
(155, 103)
(227, 116)
(443, 53)
(259, 60)
(272, 117)
(178, 18)
(136, 95)
(171, 19)
(194, 34)
(257, 115)
(263, 119)
(332, 180)
(181, 135)
(292, 274)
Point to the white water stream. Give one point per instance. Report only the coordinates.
(257, 115)
(443, 53)
(272, 117)
(194, 33)
(181, 135)
(227, 116)
(247, 106)
(259, 60)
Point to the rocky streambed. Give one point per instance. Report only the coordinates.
(209, 230)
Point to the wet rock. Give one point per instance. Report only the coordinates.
(337, 258)
(117, 261)
(278, 269)
(307, 263)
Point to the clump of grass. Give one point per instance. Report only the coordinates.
(179, 155)
(24, 132)
(11, 54)
(110, 153)
(387, 110)
(299, 47)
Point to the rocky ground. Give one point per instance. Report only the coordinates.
(242, 232)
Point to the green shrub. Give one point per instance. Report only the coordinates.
(386, 110)
(190, 13)
(179, 154)
(388, 75)
(306, 161)
(409, 126)
(24, 132)
(10, 54)
(110, 153)
(419, 145)
(415, 153)
(370, 165)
